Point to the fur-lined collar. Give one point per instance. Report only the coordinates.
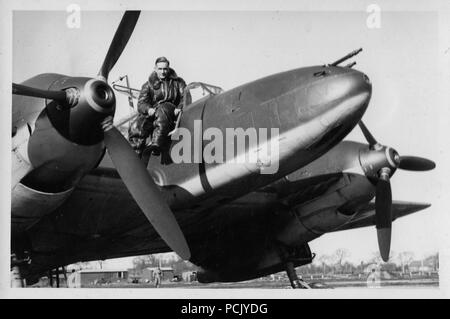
(155, 82)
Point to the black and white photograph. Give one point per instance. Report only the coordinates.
(212, 149)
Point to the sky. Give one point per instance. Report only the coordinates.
(403, 58)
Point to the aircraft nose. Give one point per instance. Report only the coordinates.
(340, 97)
(338, 94)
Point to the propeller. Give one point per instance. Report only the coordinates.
(120, 40)
(383, 216)
(369, 137)
(20, 89)
(130, 168)
(379, 163)
(414, 163)
(144, 190)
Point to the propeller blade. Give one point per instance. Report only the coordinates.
(383, 215)
(145, 192)
(383, 200)
(384, 242)
(120, 40)
(20, 89)
(414, 163)
(369, 137)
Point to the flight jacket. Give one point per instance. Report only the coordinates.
(156, 91)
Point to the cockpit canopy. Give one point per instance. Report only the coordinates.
(199, 90)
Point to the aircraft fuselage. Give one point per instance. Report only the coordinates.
(312, 108)
(312, 114)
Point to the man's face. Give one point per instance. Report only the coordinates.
(162, 69)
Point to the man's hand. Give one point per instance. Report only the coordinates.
(151, 111)
(176, 112)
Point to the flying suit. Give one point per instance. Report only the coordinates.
(164, 96)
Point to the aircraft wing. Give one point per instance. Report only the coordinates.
(101, 220)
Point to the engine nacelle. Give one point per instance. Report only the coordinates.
(329, 211)
(55, 146)
(58, 164)
(29, 205)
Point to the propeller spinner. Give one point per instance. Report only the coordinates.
(130, 168)
(379, 163)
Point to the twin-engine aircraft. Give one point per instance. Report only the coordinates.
(79, 192)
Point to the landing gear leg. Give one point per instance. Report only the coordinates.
(296, 282)
(50, 278)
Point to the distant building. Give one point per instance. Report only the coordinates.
(419, 266)
(147, 275)
(189, 276)
(86, 278)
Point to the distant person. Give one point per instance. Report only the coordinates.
(157, 277)
(71, 280)
(373, 280)
(160, 101)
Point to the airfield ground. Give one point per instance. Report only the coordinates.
(258, 284)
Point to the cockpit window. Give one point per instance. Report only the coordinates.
(199, 90)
